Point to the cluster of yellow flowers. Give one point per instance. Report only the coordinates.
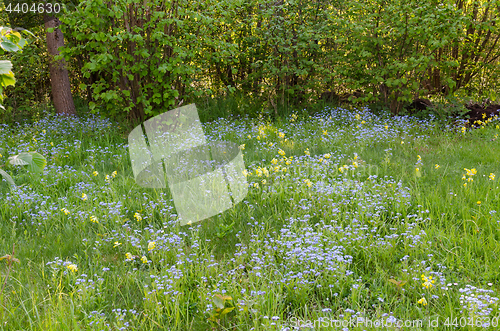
(262, 171)
(423, 302)
(308, 182)
(427, 281)
(138, 217)
(483, 124)
(72, 267)
(94, 219)
(108, 178)
(151, 246)
(65, 211)
(344, 167)
(470, 173)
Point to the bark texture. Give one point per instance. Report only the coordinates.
(59, 78)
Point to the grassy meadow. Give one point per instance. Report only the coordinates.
(351, 218)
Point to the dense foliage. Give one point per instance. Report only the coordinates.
(142, 58)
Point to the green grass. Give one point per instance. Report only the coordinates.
(321, 239)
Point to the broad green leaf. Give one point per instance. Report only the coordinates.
(38, 162)
(7, 79)
(20, 159)
(9, 46)
(7, 177)
(219, 301)
(5, 66)
(225, 311)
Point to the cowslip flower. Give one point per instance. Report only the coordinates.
(138, 217)
(144, 259)
(95, 173)
(151, 246)
(256, 185)
(72, 267)
(94, 219)
(281, 135)
(492, 176)
(84, 197)
(114, 174)
(427, 281)
(129, 256)
(307, 152)
(423, 302)
(327, 156)
(241, 147)
(274, 161)
(281, 152)
(470, 172)
(325, 132)
(437, 166)
(308, 182)
(116, 244)
(65, 211)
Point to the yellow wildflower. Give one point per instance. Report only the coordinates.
(423, 302)
(72, 267)
(151, 245)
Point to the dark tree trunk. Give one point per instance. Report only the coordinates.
(59, 78)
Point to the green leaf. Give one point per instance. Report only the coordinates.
(9, 46)
(219, 301)
(20, 159)
(35, 161)
(38, 162)
(5, 67)
(225, 311)
(7, 177)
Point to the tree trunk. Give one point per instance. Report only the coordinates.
(59, 78)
